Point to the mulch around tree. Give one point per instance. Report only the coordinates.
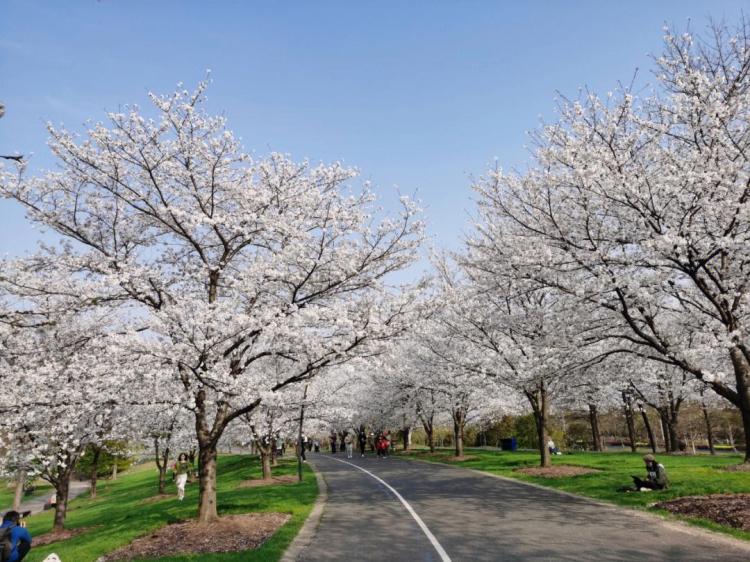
(558, 471)
(54, 536)
(732, 510)
(231, 533)
(744, 467)
(256, 482)
(462, 458)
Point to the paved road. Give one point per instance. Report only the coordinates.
(36, 505)
(476, 518)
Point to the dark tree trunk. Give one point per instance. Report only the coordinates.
(539, 404)
(745, 411)
(207, 511)
(649, 431)
(429, 427)
(300, 444)
(665, 432)
(265, 462)
(709, 428)
(95, 470)
(741, 365)
(629, 420)
(594, 421)
(162, 464)
(406, 436)
(62, 487)
(459, 419)
(668, 415)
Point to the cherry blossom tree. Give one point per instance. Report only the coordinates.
(223, 261)
(71, 397)
(638, 207)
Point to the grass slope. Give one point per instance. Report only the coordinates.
(689, 475)
(121, 511)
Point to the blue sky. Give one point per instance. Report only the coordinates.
(419, 95)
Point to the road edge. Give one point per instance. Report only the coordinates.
(675, 524)
(306, 534)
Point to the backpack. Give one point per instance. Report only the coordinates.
(6, 543)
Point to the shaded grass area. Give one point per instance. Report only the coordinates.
(121, 512)
(7, 489)
(689, 475)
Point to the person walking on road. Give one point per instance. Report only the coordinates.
(333, 442)
(181, 472)
(382, 446)
(349, 443)
(362, 442)
(302, 446)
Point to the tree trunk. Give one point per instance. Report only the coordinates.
(746, 427)
(730, 435)
(594, 420)
(630, 420)
(649, 431)
(207, 511)
(300, 444)
(95, 470)
(265, 462)
(742, 376)
(18, 492)
(458, 431)
(539, 404)
(668, 416)
(709, 428)
(114, 468)
(163, 480)
(162, 464)
(429, 431)
(665, 432)
(406, 436)
(62, 487)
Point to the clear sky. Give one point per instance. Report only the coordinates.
(419, 95)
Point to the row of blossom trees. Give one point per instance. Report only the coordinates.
(617, 264)
(227, 277)
(191, 278)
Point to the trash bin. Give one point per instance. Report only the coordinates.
(508, 444)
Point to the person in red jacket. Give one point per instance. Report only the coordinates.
(382, 446)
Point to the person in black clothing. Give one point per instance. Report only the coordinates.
(362, 441)
(334, 437)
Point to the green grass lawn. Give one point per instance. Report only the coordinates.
(7, 489)
(118, 514)
(689, 475)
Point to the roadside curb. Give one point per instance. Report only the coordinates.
(307, 533)
(674, 524)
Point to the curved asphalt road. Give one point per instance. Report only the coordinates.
(476, 518)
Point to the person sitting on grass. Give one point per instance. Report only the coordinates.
(656, 476)
(15, 540)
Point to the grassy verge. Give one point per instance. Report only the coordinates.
(124, 509)
(690, 476)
